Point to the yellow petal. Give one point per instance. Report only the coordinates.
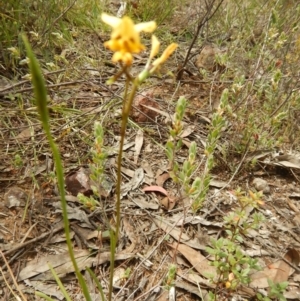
(260, 202)
(231, 276)
(113, 45)
(154, 46)
(125, 38)
(111, 20)
(145, 26)
(125, 57)
(166, 54)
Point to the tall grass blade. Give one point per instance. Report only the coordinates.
(41, 101)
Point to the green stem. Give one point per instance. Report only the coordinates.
(114, 234)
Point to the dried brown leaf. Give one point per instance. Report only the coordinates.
(187, 131)
(143, 109)
(161, 179)
(194, 278)
(131, 235)
(178, 235)
(15, 197)
(168, 202)
(25, 134)
(63, 265)
(278, 271)
(292, 206)
(139, 140)
(134, 183)
(199, 262)
(156, 189)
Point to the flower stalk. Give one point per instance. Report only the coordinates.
(124, 42)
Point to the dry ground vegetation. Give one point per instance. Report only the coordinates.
(167, 247)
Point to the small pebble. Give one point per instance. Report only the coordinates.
(261, 185)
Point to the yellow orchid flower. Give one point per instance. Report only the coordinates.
(166, 54)
(155, 65)
(155, 46)
(125, 57)
(125, 38)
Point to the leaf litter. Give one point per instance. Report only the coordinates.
(35, 273)
(182, 233)
(154, 232)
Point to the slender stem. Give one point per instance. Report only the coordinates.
(207, 16)
(114, 234)
(125, 115)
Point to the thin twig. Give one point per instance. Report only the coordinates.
(59, 17)
(208, 15)
(28, 81)
(48, 86)
(12, 276)
(22, 245)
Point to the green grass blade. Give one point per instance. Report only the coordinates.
(42, 295)
(41, 101)
(99, 286)
(59, 283)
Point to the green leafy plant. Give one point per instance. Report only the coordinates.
(99, 156)
(171, 276)
(88, 201)
(158, 10)
(194, 188)
(233, 267)
(97, 168)
(18, 161)
(275, 292)
(263, 103)
(49, 25)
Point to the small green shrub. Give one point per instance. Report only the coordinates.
(233, 266)
(193, 187)
(276, 291)
(49, 25)
(159, 10)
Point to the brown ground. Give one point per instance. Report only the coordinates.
(31, 232)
